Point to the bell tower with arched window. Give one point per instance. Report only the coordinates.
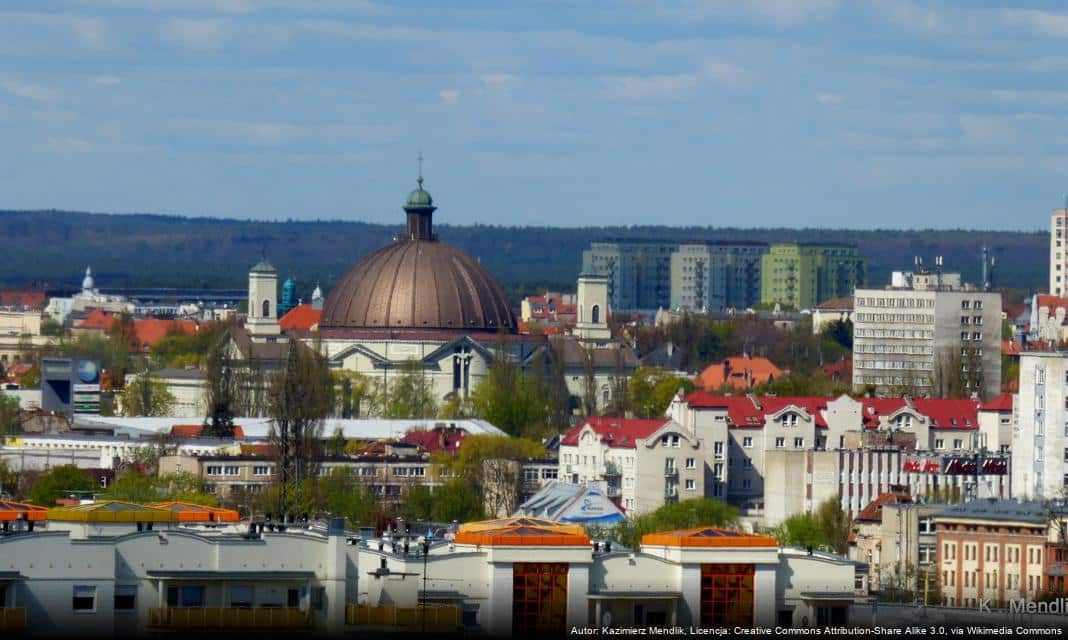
(262, 320)
(592, 296)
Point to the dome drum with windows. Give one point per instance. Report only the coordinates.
(418, 283)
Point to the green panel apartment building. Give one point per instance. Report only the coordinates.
(801, 276)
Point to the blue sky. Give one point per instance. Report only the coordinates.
(866, 114)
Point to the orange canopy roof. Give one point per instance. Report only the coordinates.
(708, 537)
(522, 532)
(11, 511)
(188, 512)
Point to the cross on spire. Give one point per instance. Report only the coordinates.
(420, 178)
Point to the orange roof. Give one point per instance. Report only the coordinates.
(11, 511)
(1000, 403)
(188, 512)
(708, 537)
(740, 372)
(514, 532)
(186, 430)
(874, 511)
(151, 330)
(302, 316)
(98, 319)
(837, 303)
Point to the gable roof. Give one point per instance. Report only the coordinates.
(874, 511)
(616, 432)
(837, 304)
(302, 316)
(98, 319)
(738, 372)
(1000, 403)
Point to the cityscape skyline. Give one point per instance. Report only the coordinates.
(262, 110)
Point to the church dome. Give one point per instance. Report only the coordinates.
(87, 281)
(418, 283)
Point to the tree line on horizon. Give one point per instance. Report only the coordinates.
(52, 248)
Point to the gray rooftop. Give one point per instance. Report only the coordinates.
(1030, 511)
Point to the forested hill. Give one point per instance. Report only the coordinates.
(139, 250)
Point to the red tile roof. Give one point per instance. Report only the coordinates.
(839, 371)
(1000, 403)
(35, 299)
(616, 432)
(437, 439)
(740, 372)
(1052, 303)
(151, 330)
(187, 430)
(98, 319)
(837, 303)
(302, 316)
(874, 511)
(751, 411)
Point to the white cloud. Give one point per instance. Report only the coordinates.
(202, 35)
(29, 91)
(449, 96)
(775, 13)
(910, 16)
(105, 81)
(830, 98)
(1040, 22)
(69, 145)
(678, 86)
(91, 32)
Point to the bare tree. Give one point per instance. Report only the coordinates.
(223, 389)
(300, 397)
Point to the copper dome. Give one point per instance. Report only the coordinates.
(418, 283)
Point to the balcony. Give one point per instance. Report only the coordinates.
(12, 619)
(671, 472)
(614, 491)
(228, 618)
(441, 617)
(611, 471)
(1057, 569)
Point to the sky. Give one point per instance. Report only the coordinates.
(765, 113)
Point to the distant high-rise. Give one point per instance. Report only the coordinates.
(1058, 257)
(714, 276)
(639, 273)
(802, 275)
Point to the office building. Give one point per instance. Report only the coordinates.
(927, 335)
(1058, 254)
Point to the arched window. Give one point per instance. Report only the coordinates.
(595, 314)
(266, 308)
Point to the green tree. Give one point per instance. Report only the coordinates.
(337, 445)
(799, 530)
(357, 395)
(489, 466)
(52, 328)
(59, 482)
(834, 525)
(410, 394)
(651, 390)
(10, 415)
(509, 398)
(9, 480)
(222, 388)
(686, 514)
(147, 395)
(131, 486)
(451, 501)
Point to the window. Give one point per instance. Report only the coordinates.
(927, 553)
(595, 314)
(691, 463)
(747, 442)
(549, 474)
(747, 484)
(241, 596)
(125, 597)
(539, 597)
(675, 441)
(266, 308)
(530, 475)
(978, 304)
(799, 443)
(958, 443)
(780, 442)
(84, 599)
(690, 485)
(977, 319)
(214, 470)
(231, 470)
(261, 470)
(939, 443)
(727, 594)
(927, 525)
(718, 450)
(747, 463)
(964, 304)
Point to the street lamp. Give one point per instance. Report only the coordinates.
(426, 556)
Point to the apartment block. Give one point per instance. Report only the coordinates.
(992, 550)
(713, 276)
(1058, 254)
(916, 341)
(639, 273)
(802, 276)
(1040, 427)
(645, 463)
